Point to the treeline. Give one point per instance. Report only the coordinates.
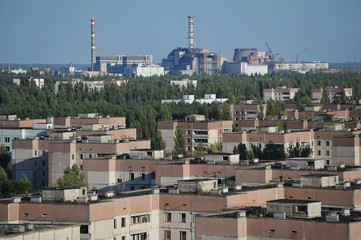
(140, 100)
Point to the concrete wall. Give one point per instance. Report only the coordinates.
(63, 232)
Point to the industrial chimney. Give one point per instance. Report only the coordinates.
(190, 31)
(92, 45)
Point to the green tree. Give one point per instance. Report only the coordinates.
(201, 150)
(179, 142)
(250, 154)
(297, 150)
(226, 112)
(241, 149)
(273, 152)
(157, 143)
(5, 160)
(325, 98)
(72, 177)
(216, 147)
(164, 114)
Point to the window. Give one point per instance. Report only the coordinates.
(36, 153)
(35, 173)
(119, 180)
(301, 209)
(7, 139)
(123, 222)
(141, 219)
(293, 231)
(43, 183)
(139, 236)
(132, 188)
(43, 163)
(143, 176)
(182, 217)
(81, 156)
(84, 229)
(115, 223)
(167, 217)
(319, 152)
(327, 153)
(131, 176)
(167, 235)
(44, 215)
(123, 238)
(327, 143)
(187, 132)
(7, 148)
(35, 162)
(81, 167)
(188, 140)
(26, 214)
(43, 152)
(318, 143)
(72, 157)
(182, 235)
(271, 230)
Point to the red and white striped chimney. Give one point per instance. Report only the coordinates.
(92, 45)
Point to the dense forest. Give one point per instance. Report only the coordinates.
(140, 99)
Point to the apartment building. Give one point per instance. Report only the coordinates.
(284, 219)
(43, 160)
(142, 214)
(205, 132)
(89, 118)
(12, 127)
(320, 141)
(333, 91)
(125, 172)
(280, 93)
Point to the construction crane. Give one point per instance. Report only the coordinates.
(272, 56)
(298, 54)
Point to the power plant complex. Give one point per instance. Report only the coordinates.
(192, 60)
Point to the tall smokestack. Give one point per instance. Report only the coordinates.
(190, 31)
(92, 45)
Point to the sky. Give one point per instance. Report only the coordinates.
(58, 31)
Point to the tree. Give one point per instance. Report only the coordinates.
(201, 150)
(164, 114)
(325, 98)
(179, 142)
(250, 154)
(273, 152)
(226, 112)
(241, 149)
(298, 150)
(72, 177)
(216, 147)
(5, 160)
(157, 143)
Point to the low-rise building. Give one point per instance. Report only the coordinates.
(281, 93)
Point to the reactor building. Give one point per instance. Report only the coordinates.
(121, 64)
(192, 60)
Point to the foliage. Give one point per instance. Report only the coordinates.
(216, 147)
(275, 107)
(241, 149)
(226, 112)
(157, 143)
(179, 142)
(325, 98)
(72, 177)
(250, 154)
(201, 150)
(230, 183)
(273, 152)
(9, 188)
(298, 150)
(5, 160)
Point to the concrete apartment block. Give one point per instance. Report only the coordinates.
(319, 180)
(295, 208)
(195, 132)
(281, 93)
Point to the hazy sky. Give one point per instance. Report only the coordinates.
(54, 31)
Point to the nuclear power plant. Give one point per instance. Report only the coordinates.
(192, 60)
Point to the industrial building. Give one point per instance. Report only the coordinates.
(248, 61)
(300, 67)
(192, 60)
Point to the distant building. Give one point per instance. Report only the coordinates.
(333, 91)
(118, 64)
(205, 132)
(208, 98)
(245, 68)
(184, 83)
(39, 82)
(144, 70)
(19, 71)
(193, 61)
(281, 93)
(301, 67)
